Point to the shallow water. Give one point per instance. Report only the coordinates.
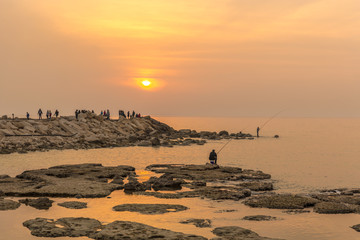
(310, 154)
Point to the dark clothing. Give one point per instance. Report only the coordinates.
(257, 132)
(213, 157)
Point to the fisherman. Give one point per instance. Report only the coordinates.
(257, 132)
(27, 115)
(128, 114)
(77, 114)
(56, 113)
(213, 157)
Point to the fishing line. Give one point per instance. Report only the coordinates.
(271, 118)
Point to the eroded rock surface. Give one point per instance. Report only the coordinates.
(237, 233)
(200, 223)
(80, 180)
(281, 201)
(64, 227)
(7, 204)
(335, 208)
(77, 227)
(150, 208)
(73, 205)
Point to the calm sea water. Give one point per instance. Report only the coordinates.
(311, 154)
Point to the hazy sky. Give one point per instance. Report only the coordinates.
(204, 58)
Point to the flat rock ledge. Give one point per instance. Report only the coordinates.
(73, 205)
(237, 233)
(200, 223)
(150, 208)
(77, 227)
(79, 180)
(259, 218)
(7, 204)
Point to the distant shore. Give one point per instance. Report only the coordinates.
(93, 131)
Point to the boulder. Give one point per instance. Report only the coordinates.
(39, 203)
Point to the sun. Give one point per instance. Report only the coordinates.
(146, 83)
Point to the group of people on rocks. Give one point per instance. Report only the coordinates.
(129, 115)
(48, 114)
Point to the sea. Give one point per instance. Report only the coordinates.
(311, 154)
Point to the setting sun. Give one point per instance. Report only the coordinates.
(146, 83)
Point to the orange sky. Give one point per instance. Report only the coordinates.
(204, 58)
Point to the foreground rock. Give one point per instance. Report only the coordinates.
(259, 218)
(80, 180)
(281, 201)
(200, 223)
(39, 203)
(7, 204)
(149, 208)
(73, 205)
(77, 227)
(237, 233)
(64, 227)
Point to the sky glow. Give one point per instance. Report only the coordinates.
(203, 58)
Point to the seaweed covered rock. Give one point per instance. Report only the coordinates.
(150, 208)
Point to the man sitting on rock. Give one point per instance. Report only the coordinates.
(213, 157)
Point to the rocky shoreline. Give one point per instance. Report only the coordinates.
(172, 181)
(93, 131)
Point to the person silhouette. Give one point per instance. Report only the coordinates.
(257, 132)
(213, 157)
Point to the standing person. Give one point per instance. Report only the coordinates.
(13, 115)
(56, 113)
(213, 157)
(77, 114)
(50, 113)
(128, 114)
(27, 115)
(257, 132)
(101, 113)
(108, 114)
(40, 113)
(133, 114)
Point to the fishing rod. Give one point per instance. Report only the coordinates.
(230, 140)
(271, 118)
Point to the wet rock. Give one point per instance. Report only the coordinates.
(135, 186)
(225, 210)
(223, 133)
(259, 218)
(149, 208)
(39, 203)
(281, 201)
(237, 233)
(200, 223)
(64, 227)
(207, 172)
(73, 205)
(165, 183)
(335, 208)
(257, 186)
(155, 141)
(356, 227)
(85, 180)
(7, 204)
(296, 211)
(135, 231)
